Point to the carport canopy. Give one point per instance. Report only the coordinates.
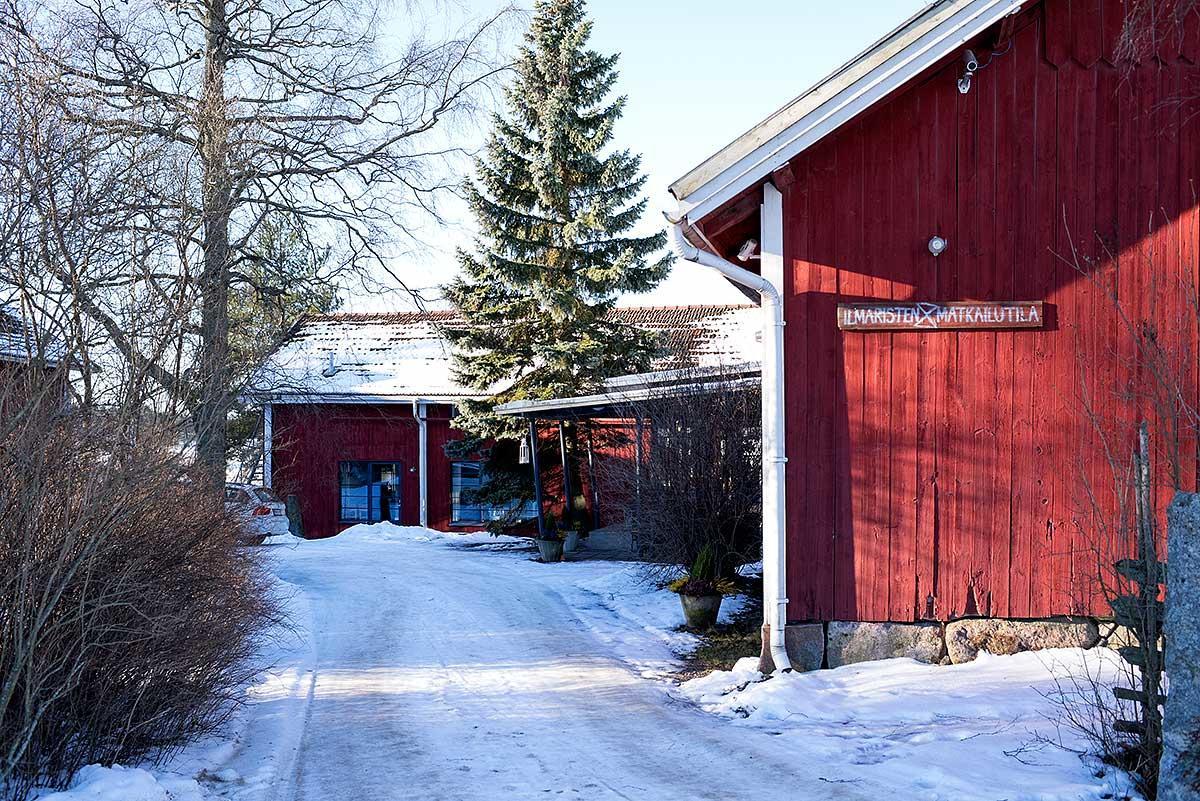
(615, 401)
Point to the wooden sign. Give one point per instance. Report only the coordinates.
(940, 316)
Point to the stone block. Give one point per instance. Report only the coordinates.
(848, 643)
(805, 644)
(966, 638)
(1179, 777)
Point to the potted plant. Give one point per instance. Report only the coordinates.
(550, 542)
(701, 590)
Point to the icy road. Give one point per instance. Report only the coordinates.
(439, 673)
(445, 668)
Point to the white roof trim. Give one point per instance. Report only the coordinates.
(350, 399)
(674, 376)
(646, 390)
(890, 64)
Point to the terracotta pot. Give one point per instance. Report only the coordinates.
(571, 543)
(700, 610)
(551, 550)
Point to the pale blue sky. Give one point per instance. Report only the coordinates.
(697, 75)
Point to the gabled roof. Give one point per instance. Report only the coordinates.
(20, 343)
(936, 32)
(400, 357)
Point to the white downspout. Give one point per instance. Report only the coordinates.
(422, 459)
(774, 452)
(268, 443)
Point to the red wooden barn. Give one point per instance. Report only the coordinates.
(358, 409)
(946, 461)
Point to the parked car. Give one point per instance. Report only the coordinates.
(261, 512)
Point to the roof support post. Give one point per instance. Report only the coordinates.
(639, 429)
(591, 449)
(568, 495)
(535, 464)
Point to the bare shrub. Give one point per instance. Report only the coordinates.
(1138, 410)
(128, 616)
(698, 484)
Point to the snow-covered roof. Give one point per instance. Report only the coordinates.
(400, 357)
(934, 33)
(20, 343)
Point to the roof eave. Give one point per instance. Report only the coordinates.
(870, 77)
(339, 398)
(612, 401)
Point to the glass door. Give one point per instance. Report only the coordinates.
(370, 492)
(385, 488)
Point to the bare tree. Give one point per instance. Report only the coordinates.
(1150, 23)
(1139, 413)
(698, 482)
(252, 110)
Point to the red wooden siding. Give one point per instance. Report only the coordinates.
(311, 440)
(948, 474)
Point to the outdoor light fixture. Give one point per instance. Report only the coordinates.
(523, 458)
(747, 251)
(970, 67)
(937, 245)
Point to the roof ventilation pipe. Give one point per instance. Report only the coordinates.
(774, 454)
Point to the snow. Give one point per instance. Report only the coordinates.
(95, 783)
(21, 341)
(441, 666)
(380, 356)
(958, 731)
(406, 355)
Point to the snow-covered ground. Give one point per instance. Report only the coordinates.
(443, 667)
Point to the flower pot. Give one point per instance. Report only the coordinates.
(571, 543)
(700, 610)
(551, 550)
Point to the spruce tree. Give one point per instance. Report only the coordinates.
(556, 209)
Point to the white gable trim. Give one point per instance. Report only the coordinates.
(879, 72)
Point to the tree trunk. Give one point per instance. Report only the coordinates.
(215, 394)
(1179, 776)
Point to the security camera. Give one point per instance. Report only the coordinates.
(747, 251)
(970, 67)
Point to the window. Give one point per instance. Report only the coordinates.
(370, 492)
(465, 478)
(236, 495)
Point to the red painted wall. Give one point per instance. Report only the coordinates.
(311, 440)
(947, 474)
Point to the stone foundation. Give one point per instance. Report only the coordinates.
(966, 638)
(805, 644)
(811, 646)
(848, 643)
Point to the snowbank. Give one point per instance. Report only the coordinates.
(982, 730)
(96, 783)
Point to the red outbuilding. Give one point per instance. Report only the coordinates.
(980, 229)
(358, 409)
